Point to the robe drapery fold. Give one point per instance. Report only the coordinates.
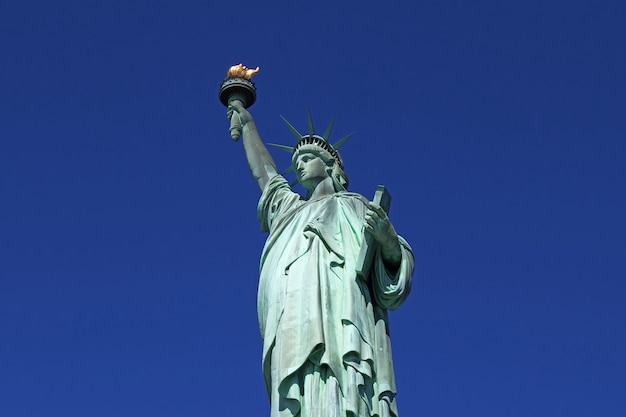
(326, 346)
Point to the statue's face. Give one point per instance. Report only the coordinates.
(311, 170)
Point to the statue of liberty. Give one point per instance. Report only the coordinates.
(327, 350)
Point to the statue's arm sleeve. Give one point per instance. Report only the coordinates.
(390, 290)
(276, 199)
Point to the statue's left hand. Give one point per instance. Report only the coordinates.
(378, 224)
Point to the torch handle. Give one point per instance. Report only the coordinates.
(235, 123)
(235, 126)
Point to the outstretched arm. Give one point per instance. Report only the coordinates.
(259, 159)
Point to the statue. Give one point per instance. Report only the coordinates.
(327, 350)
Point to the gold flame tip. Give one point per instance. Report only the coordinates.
(241, 71)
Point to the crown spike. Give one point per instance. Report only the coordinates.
(293, 129)
(311, 128)
(313, 140)
(329, 129)
(340, 143)
(285, 148)
(288, 170)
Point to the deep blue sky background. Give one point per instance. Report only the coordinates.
(129, 240)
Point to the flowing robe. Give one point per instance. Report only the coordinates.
(327, 351)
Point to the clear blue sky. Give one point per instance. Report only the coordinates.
(129, 240)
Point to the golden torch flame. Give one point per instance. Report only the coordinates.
(241, 71)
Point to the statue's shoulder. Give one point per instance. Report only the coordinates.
(355, 197)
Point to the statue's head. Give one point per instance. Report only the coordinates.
(320, 147)
(317, 146)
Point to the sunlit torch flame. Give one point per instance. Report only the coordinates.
(241, 71)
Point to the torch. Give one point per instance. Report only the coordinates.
(238, 85)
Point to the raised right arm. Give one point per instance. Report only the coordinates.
(259, 159)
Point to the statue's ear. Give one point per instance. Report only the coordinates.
(330, 167)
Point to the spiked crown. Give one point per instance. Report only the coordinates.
(313, 139)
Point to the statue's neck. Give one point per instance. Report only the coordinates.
(323, 188)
